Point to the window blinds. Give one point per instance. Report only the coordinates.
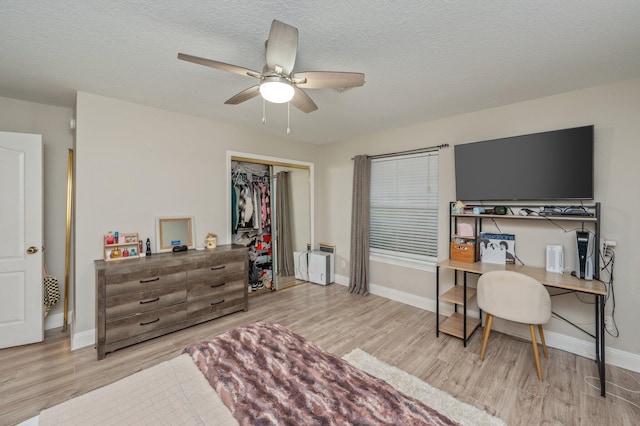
(404, 206)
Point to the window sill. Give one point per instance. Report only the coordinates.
(406, 263)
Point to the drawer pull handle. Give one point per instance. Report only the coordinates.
(217, 303)
(150, 281)
(150, 322)
(142, 302)
(215, 268)
(217, 285)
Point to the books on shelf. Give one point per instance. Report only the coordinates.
(497, 248)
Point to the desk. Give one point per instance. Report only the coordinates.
(549, 279)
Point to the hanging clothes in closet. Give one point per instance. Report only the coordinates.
(251, 219)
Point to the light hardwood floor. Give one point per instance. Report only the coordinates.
(37, 376)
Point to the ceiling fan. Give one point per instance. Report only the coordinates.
(277, 82)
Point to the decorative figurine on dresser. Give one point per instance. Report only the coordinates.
(210, 241)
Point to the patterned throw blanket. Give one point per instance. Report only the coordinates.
(267, 375)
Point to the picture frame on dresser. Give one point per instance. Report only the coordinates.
(174, 231)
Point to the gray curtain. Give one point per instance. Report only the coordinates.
(284, 251)
(359, 274)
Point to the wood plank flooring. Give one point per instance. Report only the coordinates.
(37, 376)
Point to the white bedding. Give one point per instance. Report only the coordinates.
(176, 392)
(173, 392)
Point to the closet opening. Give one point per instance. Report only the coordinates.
(271, 213)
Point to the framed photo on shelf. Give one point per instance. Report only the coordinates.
(497, 248)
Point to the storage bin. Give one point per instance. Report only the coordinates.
(463, 252)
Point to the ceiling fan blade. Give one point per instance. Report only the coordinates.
(218, 65)
(245, 95)
(328, 79)
(282, 47)
(302, 101)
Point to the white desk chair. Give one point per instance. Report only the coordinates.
(514, 297)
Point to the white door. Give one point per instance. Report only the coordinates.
(21, 305)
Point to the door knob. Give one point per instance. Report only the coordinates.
(32, 250)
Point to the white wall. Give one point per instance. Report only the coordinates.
(613, 109)
(134, 163)
(53, 124)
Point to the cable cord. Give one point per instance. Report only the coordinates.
(608, 259)
(635, 392)
(608, 266)
(612, 295)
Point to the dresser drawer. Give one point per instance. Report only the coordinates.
(144, 301)
(214, 269)
(124, 328)
(215, 286)
(211, 305)
(145, 280)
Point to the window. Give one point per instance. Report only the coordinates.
(404, 207)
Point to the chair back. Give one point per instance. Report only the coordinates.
(514, 296)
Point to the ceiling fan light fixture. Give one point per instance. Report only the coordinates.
(276, 89)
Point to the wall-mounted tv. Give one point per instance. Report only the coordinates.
(555, 165)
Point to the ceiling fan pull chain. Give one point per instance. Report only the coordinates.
(264, 114)
(288, 117)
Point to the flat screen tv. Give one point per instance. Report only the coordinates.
(555, 165)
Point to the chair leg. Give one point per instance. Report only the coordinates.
(485, 335)
(544, 345)
(534, 341)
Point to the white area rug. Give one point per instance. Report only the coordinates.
(444, 403)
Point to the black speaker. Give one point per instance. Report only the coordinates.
(584, 262)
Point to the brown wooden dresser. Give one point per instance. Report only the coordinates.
(139, 299)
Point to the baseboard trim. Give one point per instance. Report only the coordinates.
(83, 339)
(584, 348)
(580, 347)
(56, 320)
(397, 295)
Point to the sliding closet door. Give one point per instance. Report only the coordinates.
(253, 218)
(298, 234)
(252, 224)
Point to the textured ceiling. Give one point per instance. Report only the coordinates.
(422, 59)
